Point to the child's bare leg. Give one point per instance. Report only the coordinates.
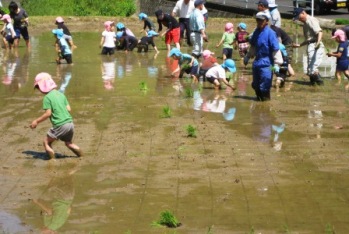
(48, 148)
(168, 49)
(346, 73)
(224, 57)
(339, 76)
(290, 70)
(178, 46)
(195, 79)
(74, 148)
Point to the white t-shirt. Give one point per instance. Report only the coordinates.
(217, 72)
(9, 29)
(183, 10)
(108, 39)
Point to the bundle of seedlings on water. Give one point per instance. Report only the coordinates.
(166, 112)
(167, 219)
(143, 86)
(191, 131)
(189, 93)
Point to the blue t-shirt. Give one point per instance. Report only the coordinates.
(186, 58)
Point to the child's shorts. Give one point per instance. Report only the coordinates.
(10, 39)
(228, 52)
(64, 133)
(108, 50)
(68, 58)
(342, 65)
(142, 47)
(243, 48)
(23, 32)
(172, 35)
(211, 79)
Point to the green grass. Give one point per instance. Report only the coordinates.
(189, 93)
(166, 112)
(143, 86)
(167, 219)
(191, 131)
(342, 21)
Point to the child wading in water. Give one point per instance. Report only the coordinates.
(241, 40)
(227, 40)
(56, 108)
(108, 39)
(62, 47)
(192, 64)
(8, 31)
(67, 35)
(341, 55)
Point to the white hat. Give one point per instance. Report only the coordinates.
(271, 3)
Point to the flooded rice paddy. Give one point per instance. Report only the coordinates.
(275, 167)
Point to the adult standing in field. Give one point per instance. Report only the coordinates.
(20, 23)
(183, 9)
(266, 45)
(274, 13)
(313, 39)
(197, 27)
(173, 31)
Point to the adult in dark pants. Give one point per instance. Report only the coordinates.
(20, 23)
(266, 45)
(183, 10)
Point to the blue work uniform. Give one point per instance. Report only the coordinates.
(266, 43)
(196, 24)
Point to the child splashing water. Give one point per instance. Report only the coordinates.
(57, 109)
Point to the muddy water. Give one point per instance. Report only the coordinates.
(277, 167)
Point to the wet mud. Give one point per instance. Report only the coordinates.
(273, 167)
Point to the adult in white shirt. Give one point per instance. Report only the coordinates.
(183, 9)
(274, 13)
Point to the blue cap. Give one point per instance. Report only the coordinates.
(297, 12)
(230, 115)
(119, 35)
(142, 16)
(152, 33)
(198, 2)
(230, 65)
(175, 52)
(242, 26)
(120, 25)
(264, 3)
(58, 32)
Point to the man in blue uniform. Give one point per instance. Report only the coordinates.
(266, 45)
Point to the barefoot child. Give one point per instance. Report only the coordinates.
(227, 40)
(8, 31)
(145, 41)
(67, 35)
(341, 55)
(193, 65)
(108, 39)
(216, 74)
(56, 108)
(62, 47)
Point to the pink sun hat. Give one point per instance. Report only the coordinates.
(229, 27)
(59, 20)
(6, 18)
(108, 24)
(340, 34)
(45, 82)
(206, 54)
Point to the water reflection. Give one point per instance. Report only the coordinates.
(64, 73)
(277, 129)
(55, 203)
(145, 61)
(125, 64)
(316, 119)
(108, 71)
(15, 69)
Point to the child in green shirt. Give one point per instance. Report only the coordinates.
(227, 40)
(56, 108)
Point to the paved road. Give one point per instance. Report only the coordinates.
(284, 6)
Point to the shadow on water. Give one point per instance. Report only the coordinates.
(44, 156)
